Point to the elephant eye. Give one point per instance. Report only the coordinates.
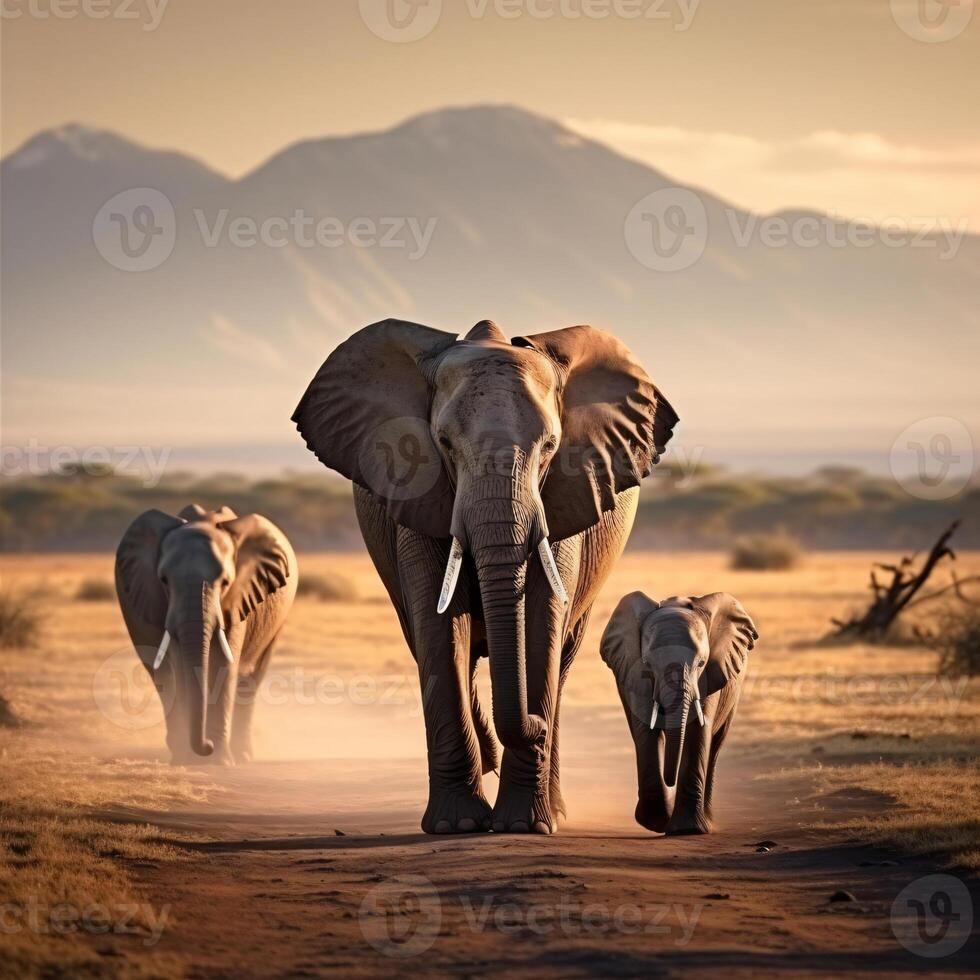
(551, 444)
(446, 444)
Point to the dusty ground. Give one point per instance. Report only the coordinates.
(855, 761)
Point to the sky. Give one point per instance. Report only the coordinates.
(849, 106)
(858, 108)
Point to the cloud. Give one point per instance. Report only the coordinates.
(855, 175)
(233, 340)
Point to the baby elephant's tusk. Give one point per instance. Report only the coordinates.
(162, 652)
(451, 577)
(551, 571)
(697, 708)
(653, 716)
(225, 646)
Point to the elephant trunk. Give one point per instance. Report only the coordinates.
(499, 530)
(194, 633)
(675, 727)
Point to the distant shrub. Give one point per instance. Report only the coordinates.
(329, 587)
(766, 552)
(20, 621)
(957, 641)
(95, 590)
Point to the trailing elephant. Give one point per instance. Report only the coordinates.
(679, 667)
(495, 486)
(204, 596)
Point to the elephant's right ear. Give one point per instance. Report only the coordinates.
(136, 563)
(621, 645)
(366, 415)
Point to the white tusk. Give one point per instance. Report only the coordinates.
(453, 566)
(551, 571)
(697, 708)
(225, 646)
(653, 717)
(162, 652)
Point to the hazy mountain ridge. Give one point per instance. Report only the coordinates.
(529, 230)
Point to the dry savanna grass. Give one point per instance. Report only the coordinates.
(874, 717)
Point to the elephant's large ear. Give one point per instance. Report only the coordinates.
(262, 565)
(731, 635)
(621, 646)
(622, 650)
(136, 564)
(366, 415)
(615, 425)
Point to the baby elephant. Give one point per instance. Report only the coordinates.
(679, 667)
(204, 596)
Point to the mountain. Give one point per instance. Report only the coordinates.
(770, 347)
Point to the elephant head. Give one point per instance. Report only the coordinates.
(494, 444)
(194, 576)
(668, 658)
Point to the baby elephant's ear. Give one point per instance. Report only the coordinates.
(621, 645)
(262, 565)
(731, 635)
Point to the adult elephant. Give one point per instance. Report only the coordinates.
(495, 485)
(197, 581)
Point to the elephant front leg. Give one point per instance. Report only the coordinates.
(441, 644)
(456, 802)
(524, 803)
(690, 815)
(224, 684)
(246, 694)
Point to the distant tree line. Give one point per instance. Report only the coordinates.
(834, 508)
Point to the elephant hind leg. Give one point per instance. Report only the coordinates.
(489, 751)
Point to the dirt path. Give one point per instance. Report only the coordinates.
(284, 894)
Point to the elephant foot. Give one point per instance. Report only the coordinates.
(651, 817)
(241, 751)
(523, 810)
(456, 810)
(685, 824)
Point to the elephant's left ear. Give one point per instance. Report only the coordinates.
(731, 635)
(263, 566)
(615, 425)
